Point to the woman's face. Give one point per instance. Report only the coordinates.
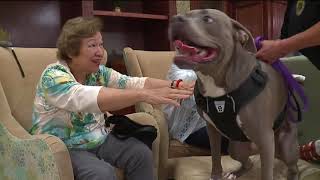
(90, 56)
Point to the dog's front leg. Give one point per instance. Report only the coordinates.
(215, 144)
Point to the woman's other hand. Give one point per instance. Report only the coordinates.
(187, 85)
(166, 95)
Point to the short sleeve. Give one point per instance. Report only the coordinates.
(63, 91)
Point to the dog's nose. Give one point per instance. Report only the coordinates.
(178, 18)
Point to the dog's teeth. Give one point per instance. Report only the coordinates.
(177, 51)
(203, 52)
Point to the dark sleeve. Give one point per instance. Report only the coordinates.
(284, 29)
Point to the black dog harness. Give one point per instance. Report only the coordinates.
(223, 110)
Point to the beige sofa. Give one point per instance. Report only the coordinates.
(191, 166)
(23, 156)
(156, 64)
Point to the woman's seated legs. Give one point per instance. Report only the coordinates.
(131, 155)
(87, 165)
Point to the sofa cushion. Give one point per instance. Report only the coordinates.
(20, 91)
(153, 64)
(309, 127)
(178, 149)
(199, 168)
(25, 159)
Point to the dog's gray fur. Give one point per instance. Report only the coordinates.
(225, 73)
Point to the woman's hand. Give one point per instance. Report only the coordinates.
(166, 95)
(187, 85)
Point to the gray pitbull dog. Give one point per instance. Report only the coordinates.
(221, 51)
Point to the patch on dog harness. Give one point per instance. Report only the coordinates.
(223, 110)
(219, 106)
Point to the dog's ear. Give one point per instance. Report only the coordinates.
(244, 36)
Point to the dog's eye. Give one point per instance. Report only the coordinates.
(207, 19)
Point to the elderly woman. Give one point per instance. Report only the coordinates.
(74, 93)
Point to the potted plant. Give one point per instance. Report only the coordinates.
(4, 38)
(116, 5)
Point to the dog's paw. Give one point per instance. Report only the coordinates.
(216, 178)
(237, 173)
(226, 176)
(229, 176)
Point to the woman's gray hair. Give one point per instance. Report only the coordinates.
(73, 32)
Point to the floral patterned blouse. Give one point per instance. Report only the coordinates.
(67, 109)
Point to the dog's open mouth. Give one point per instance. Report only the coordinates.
(193, 54)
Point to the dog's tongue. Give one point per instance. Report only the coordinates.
(192, 54)
(185, 48)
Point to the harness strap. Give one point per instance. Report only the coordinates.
(251, 87)
(223, 110)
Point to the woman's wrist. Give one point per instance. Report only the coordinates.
(141, 95)
(291, 44)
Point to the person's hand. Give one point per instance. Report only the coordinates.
(271, 50)
(187, 85)
(165, 95)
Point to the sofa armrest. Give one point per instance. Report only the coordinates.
(144, 107)
(36, 157)
(60, 153)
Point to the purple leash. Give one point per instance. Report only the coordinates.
(291, 83)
